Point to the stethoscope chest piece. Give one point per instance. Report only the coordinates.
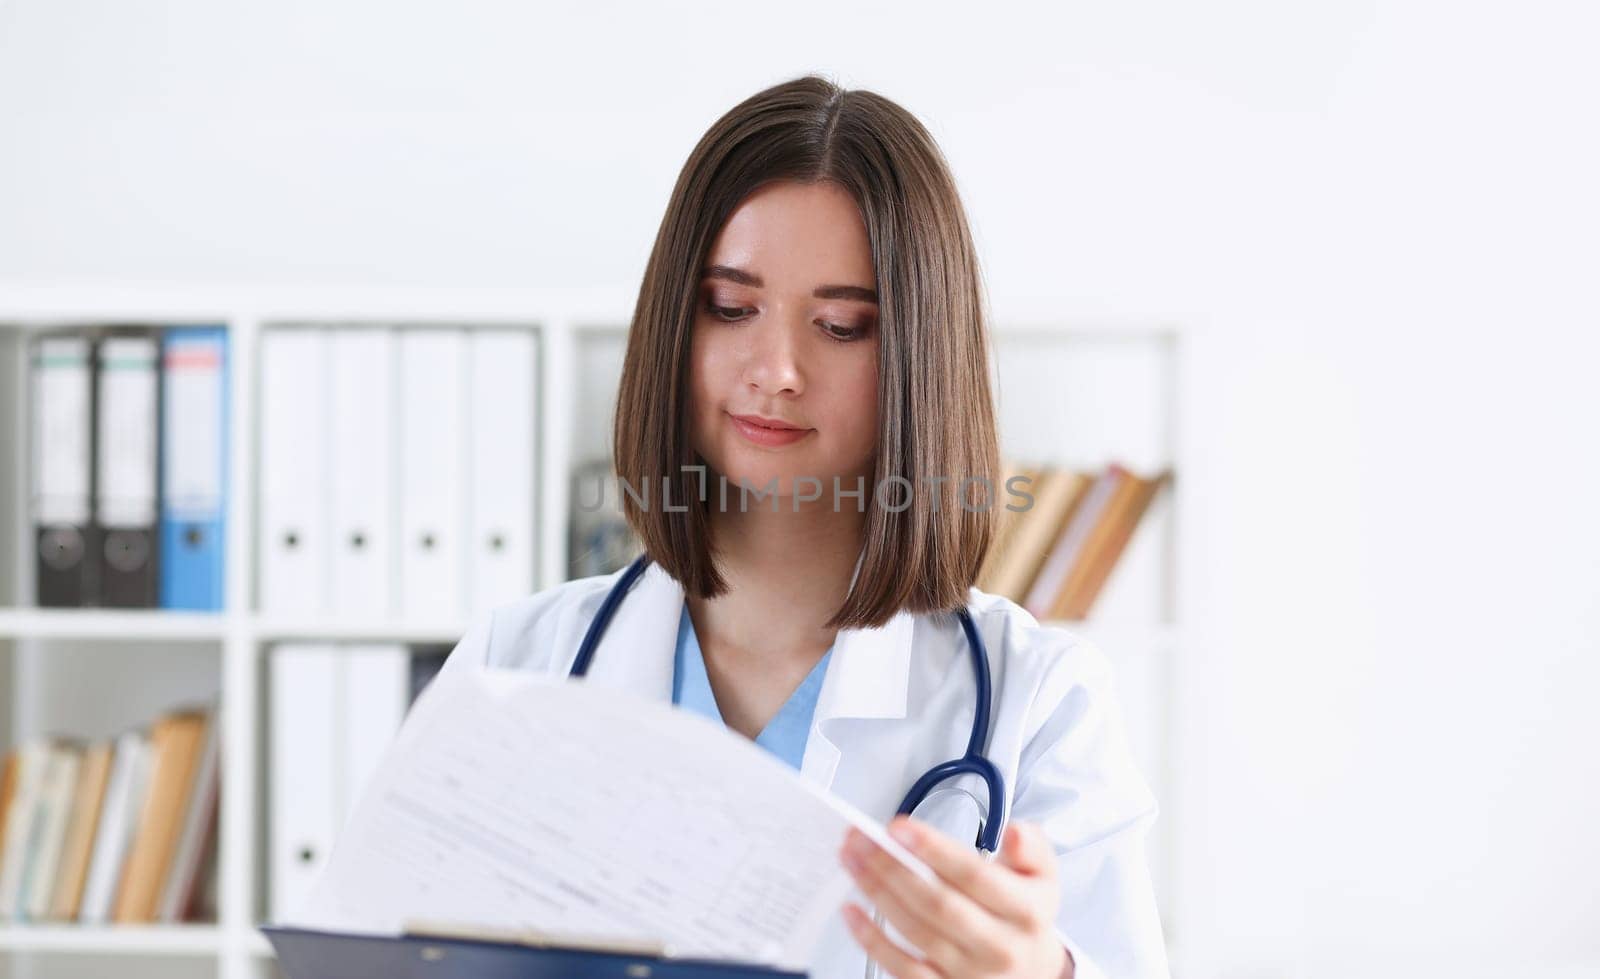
(956, 809)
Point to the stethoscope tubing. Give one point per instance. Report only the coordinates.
(972, 763)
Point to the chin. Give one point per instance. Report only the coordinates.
(758, 477)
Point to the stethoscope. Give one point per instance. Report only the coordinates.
(971, 763)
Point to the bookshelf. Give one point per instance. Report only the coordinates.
(1072, 391)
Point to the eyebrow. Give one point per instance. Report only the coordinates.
(734, 274)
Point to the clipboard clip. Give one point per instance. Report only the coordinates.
(534, 938)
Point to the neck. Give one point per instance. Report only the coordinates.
(787, 573)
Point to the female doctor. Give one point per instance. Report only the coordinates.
(805, 421)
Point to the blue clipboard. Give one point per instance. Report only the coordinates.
(309, 954)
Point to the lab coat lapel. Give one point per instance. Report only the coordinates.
(636, 652)
(868, 679)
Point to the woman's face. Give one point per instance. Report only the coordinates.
(786, 329)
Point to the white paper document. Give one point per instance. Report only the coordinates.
(512, 800)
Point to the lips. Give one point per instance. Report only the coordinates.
(766, 432)
(775, 424)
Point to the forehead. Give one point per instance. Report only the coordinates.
(797, 233)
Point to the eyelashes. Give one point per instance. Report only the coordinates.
(833, 331)
(723, 312)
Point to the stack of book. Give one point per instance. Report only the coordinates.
(117, 831)
(1053, 555)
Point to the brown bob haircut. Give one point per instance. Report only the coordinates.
(936, 412)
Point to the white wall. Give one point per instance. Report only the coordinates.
(1383, 214)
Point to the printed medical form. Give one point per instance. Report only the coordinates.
(513, 800)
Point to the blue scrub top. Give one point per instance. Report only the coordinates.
(784, 735)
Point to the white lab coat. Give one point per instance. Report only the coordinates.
(896, 701)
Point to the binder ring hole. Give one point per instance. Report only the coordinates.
(291, 540)
(497, 542)
(307, 854)
(427, 542)
(358, 540)
(126, 551)
(61, 548)
(193, 537)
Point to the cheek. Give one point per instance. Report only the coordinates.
(853, 401)
(702, 374)
(708, 384)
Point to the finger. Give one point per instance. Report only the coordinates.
(882, 950)
(1025, 849)
(914, 920)
(960, 865)
(945, 925)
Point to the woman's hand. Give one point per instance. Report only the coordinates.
(977, 919)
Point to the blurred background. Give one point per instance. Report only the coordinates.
(1331, 264)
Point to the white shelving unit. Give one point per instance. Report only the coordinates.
(1071, 393)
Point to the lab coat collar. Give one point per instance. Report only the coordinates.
(867, 677)
(870, 668)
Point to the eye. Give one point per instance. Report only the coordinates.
(727, 314)
(843, 334)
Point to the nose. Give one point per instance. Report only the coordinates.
(772, 360)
